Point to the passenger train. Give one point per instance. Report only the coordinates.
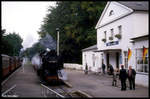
(9, 64)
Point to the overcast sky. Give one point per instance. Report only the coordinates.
(24, 18)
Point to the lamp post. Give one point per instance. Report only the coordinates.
(57, 29)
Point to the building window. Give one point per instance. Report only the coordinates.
(105, 34)
(120, 29)
(85, 59)
(119, 32)
(93, 60)
(111, 13)
(112, 34)
(104, 39)
(141, 66)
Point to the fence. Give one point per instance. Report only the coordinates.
(73, 66)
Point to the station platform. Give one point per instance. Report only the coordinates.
(26, 82)
(100, 85)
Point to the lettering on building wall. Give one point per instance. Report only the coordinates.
(112, 43)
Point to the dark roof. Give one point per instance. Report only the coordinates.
(108, 50)
(136, 5)
(140, 37)
(94, 47)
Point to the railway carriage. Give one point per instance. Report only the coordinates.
(13, 63)
(6, 66)
(17, 61)
(9, 64)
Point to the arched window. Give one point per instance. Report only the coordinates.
(111, 13)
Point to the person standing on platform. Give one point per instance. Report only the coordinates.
(131, 78)
(115, 74)
(103, 67)
(86, 69)
(111, 69)
(123, 77)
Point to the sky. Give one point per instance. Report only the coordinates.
(24, 18)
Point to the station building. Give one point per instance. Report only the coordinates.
(123, 26)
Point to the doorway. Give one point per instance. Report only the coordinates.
(107, 59)
(117, 59)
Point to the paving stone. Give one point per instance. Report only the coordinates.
(101, 85)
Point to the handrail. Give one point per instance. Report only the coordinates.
(53, 91)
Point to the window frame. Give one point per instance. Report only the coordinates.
(111, 13)
(138, 60)
(120, 29)
(112, 32)
(105, 34)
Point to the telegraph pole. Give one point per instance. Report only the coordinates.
(57, 29)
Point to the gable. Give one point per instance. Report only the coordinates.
(113, 10)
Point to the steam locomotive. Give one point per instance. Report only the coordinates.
(49, 68)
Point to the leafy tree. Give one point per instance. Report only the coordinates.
(30, 52)
(76, 21)
(11, 43)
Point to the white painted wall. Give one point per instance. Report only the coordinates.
(87, 58)
(141, 23)
(118, 9)
(133, 25)
(127, 32)
(73, 66)
(142, 80)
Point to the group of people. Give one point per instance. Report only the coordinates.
(130, 75)
(123, 76)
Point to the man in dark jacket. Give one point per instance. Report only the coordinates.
(131, 77)
(123, 77)
(103, 67)
(86, 69)
(111, 69)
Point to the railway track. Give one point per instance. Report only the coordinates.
(63, 91)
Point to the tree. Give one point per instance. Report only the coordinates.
(30, 52)
(11, 43)
(76, 21)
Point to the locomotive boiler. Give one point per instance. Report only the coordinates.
(49, 67)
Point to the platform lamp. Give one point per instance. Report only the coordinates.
(57, 30)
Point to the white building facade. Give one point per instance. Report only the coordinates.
(91, 59)
(123, 26)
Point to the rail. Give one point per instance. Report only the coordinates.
(46, 91)
(9, 92)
